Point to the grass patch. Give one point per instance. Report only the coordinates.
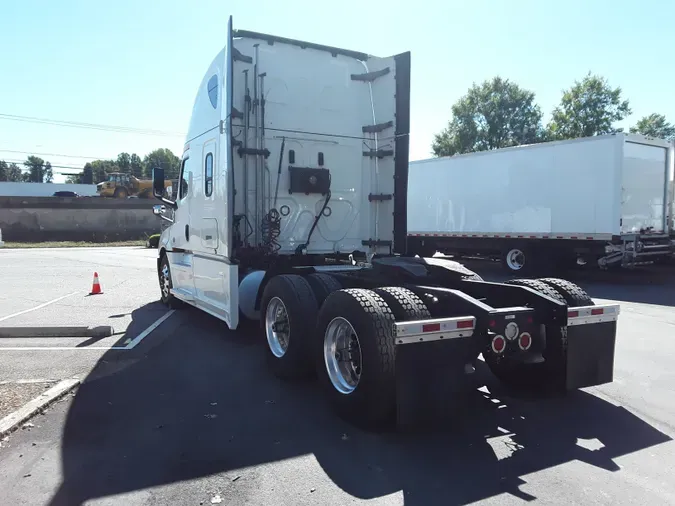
(72, 244)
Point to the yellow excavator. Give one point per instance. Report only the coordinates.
(121, 185)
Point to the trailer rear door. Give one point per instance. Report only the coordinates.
(644, 187)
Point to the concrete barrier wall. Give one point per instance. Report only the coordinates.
(35, 219)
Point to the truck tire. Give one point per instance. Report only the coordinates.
(323, 285)
(165, 285)
(548, 375)
(361, 320)
(288, 307)
(405, 305)
(538, 286)
(574, 295)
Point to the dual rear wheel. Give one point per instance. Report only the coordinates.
(344, 336)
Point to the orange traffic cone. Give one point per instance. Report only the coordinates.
(96, 287)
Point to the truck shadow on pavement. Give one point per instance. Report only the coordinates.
(196, 400)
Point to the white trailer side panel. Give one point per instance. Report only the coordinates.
(566, 188)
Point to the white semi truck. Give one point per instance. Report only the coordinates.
(603, 201)
(291, 213)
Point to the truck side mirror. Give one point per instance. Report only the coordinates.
(158, 182)
(158, 187)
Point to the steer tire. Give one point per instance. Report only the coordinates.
(371, 404)
(574, 295)
(165, 294)
(405, 305)
(323, 285)
(301, 306)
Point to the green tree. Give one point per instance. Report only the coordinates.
(38, 170)
(654, 125)
(589, 107)
(136, 165)
(124, 162)
(14, 173)
(163, 158)
(4, 169)
(495, 114)
(101, 168)
(48, 173)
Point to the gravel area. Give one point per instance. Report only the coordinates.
(15, 395)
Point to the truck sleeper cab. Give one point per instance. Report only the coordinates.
(291, 212)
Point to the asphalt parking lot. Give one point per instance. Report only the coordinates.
(50, 287)
(191, 415)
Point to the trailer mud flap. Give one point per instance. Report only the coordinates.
(433, 380)
(590, 354)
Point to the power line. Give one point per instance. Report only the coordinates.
(90, 126)
(53, 154)
(20, 163)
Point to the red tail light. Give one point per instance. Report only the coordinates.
(525, 341)
(498, 344)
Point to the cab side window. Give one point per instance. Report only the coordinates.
(208, 175)
(184, 178)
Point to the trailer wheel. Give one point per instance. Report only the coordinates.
(356, 362)
(165, 285)
(323, 285)
(574, 295)
(516, 259)
(288, 308)
(405, 305)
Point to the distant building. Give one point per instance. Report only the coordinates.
(8, 189)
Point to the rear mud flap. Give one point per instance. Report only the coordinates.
(432, 381)
(590, 354)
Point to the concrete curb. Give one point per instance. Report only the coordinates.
(96, 332)
(28, 410)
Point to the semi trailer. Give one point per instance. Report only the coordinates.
(291, 215)
(601, 201)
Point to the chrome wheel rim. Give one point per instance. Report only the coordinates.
(515, 259)
(165, 281)
(342, 355)
(277, 327)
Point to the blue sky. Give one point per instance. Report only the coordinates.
(138, 63)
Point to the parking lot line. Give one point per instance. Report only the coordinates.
(128, 346)
(147, 331)
(36, 307)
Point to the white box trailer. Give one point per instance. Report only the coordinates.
(601, 199)
(291, 212)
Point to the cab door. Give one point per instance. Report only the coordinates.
(181, 255)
